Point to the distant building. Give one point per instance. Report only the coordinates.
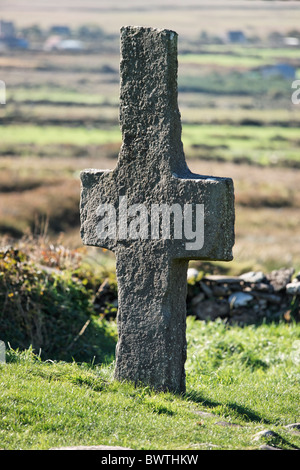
(56, 43)
(236, 37)
(52, 43)
(13, 43)
(8, 37)
(289, 41)
(7, 29)
(60, 30)
(70, 45)
(286, 71)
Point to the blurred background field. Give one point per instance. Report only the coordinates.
(237, 62)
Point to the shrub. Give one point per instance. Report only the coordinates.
(49, 310)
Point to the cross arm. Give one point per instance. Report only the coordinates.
(210, 200)
(97, 191)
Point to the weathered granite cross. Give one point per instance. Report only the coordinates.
(123, 209)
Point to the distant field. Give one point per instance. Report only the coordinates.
(223, 60)
(254, 144)
(280, 117)
(46, 135)
(188, 19)
(252, 51)
(61, 96)
(251, 144)
(241, 57)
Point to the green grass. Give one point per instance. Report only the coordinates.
(252, 51)
(222, 60)
(255, 134)
(239, 116)
(256, 144)
(245, 376)
(46, 135)
(236, 84)
(58, 96)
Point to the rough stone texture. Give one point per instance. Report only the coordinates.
(211, 309)
(292, 426)
(266, 433)
(239, 299)
(253, 276)
(250, 302)
(293, 288)
(151, 169)
(280, 278)
(266, 447)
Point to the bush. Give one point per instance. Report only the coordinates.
(49, 310)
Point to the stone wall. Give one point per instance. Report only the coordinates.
(246, 299)
(249, 298)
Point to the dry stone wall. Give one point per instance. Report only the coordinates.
(247, 299)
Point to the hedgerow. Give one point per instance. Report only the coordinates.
(49, 310)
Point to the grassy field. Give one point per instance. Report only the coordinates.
(251, 51)
(47, 135)
(239, 382)
(264, 146)
(222, 60)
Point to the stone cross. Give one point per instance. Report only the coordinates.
(154, 214)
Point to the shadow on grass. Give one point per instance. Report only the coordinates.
(244, 412)
(94, 343)
(274, 439)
